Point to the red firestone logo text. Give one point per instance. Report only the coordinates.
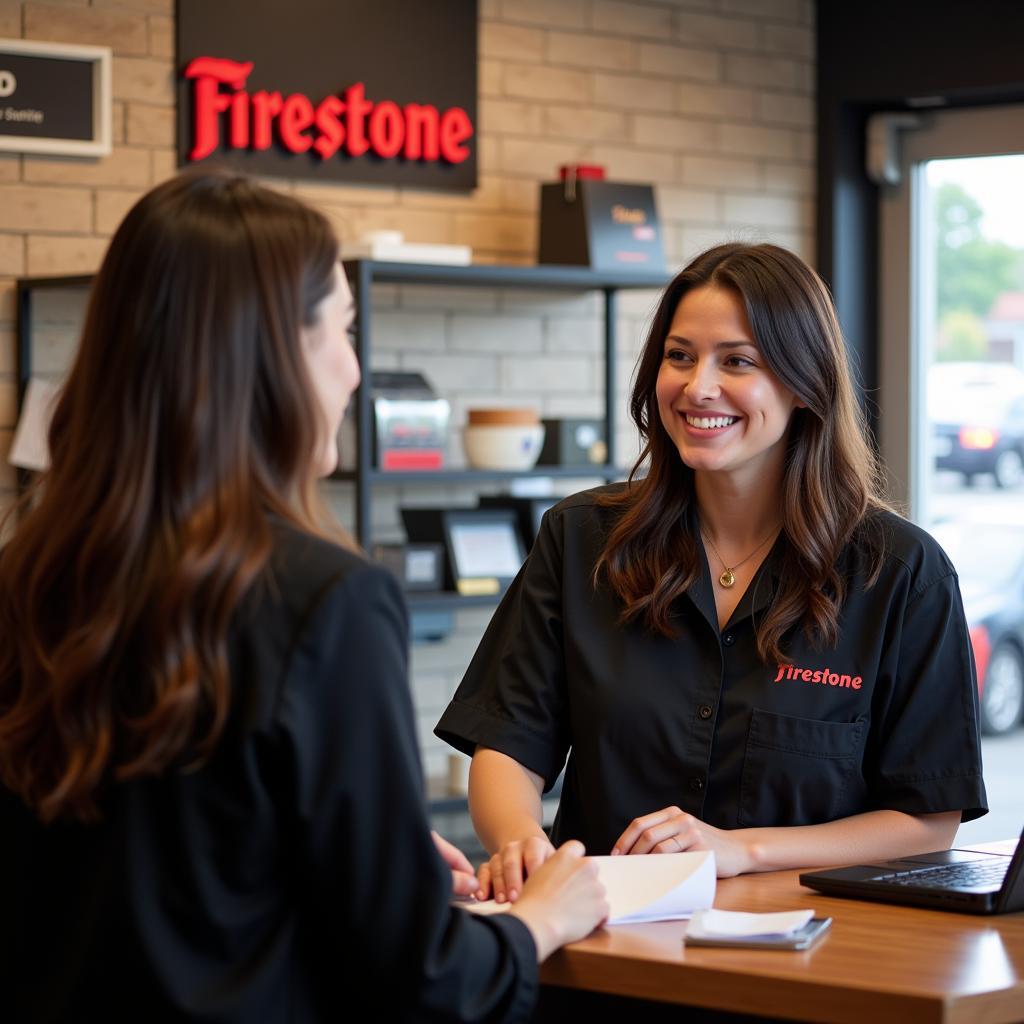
(349, 122)
(824, 676)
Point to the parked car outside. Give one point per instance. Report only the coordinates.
(989, 559)
(977, 416)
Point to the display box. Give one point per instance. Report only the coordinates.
(410, 423)
(604, 225)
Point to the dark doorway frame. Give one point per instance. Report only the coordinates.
(880, 55)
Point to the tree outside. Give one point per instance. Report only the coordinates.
(971, 272)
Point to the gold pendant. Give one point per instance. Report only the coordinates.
(727, 579)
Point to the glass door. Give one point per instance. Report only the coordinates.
(951, 397)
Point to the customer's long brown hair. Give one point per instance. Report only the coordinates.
(831, 478)
(187, 418)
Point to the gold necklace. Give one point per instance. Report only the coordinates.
(728, 577)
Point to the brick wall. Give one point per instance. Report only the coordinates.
(712, 100)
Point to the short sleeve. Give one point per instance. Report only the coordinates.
(375, 895)
(513, 696)
(927, 750)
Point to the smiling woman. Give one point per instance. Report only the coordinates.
(742, 650)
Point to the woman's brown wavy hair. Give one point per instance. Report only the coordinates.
(187, 419)
(831, 482)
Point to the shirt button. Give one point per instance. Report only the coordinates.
(705, 711)
(696, 783)
(728, 640)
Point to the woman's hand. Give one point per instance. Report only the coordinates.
(563, 900)
(506, 871)
(463, 880)
(671, 830)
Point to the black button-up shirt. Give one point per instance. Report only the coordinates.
(885, 719)
(291, 878)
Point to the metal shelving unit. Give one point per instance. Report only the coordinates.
(471, 476)
(363, 274)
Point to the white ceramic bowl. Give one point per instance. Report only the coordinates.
(512, 446)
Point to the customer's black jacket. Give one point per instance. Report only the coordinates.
(291, 878)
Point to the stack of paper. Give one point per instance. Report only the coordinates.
(408, 252)
(657, 887)
(720, 924)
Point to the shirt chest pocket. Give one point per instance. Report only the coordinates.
(799, 771)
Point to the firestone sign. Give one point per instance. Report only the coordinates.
(350, 123)
(251, 97)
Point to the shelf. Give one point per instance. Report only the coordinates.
(448, 600)
(471, 476)
(550, 276)
(486, 275)
(69, 281)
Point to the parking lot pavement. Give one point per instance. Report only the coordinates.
(1004, 779)
(948, 496)
(1003, 755)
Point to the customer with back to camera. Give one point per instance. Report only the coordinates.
(210, 789)
(743, 651)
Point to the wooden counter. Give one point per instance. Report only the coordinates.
(879, 962)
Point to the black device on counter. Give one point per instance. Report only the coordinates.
(969, 881)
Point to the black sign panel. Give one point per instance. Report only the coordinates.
(45, 97)
(607, 225)
(346, 90)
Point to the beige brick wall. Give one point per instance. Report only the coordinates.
(712, 100)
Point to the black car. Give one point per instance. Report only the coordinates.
(989, 558)
(977, 414)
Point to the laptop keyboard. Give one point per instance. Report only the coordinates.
(945, 876)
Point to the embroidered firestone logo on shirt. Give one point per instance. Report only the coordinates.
(823, 676)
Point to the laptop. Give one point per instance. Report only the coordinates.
(967, 881)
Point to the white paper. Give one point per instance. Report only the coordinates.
(732, 924)
(408, 252)
(654, 887)
(30, 449)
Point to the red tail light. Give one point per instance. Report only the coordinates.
(978, 437)
(982, 649)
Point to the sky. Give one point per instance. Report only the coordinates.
(997, 183)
